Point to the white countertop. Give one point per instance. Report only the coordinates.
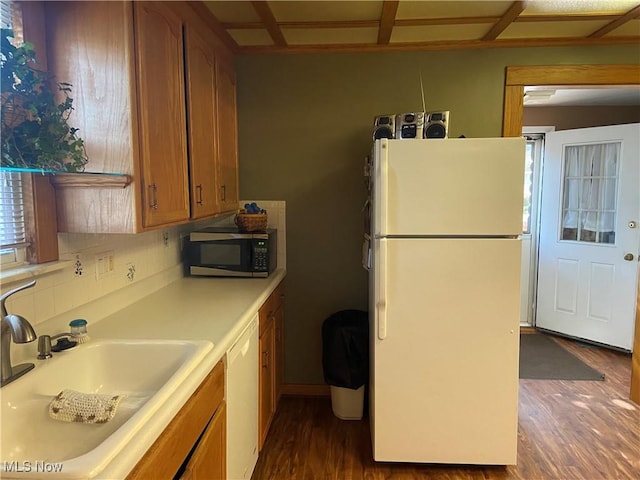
(192, 308)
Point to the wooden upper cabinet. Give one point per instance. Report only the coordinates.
(161, 106)
(91, 46)
(227, 137)
(154, 98)
(201, 107)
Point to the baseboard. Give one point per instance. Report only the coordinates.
(305, 390)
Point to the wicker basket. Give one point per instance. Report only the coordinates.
(251, 222)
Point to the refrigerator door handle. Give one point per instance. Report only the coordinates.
(381, 304)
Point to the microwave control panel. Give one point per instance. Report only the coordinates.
(260, 256)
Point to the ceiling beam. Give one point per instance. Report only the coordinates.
(413, 22)
(270, 23)
(630, 15)
(440, 45)
(215, 24)
(387, 19)
(507, 19)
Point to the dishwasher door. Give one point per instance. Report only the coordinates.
(242, 404)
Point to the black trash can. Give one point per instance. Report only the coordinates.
(345, 361)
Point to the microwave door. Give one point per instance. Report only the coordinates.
(230, 256)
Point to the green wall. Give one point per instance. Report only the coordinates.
(305, 124)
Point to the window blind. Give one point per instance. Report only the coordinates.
(12, 227)
(5, 13)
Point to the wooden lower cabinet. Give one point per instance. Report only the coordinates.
(266, 392)
(194, 443)
(271, 319)
(209, 460)
(279, 348)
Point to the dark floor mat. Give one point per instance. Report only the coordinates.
(543, 359)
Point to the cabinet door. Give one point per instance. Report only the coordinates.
(162, 129)
(201, 107)
(266, 392)
(227, 137)
(209, 460)
(164, 458)
(279, 350)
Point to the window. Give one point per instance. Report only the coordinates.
(38, 208)
(532, 158)
(12, 223)
(590, 189)
(5, 13)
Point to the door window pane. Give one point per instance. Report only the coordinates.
(528, 186)
(589, 194)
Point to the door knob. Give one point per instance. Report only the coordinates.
(628, 257)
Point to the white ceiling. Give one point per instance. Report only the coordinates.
(317, 26)
(552, 96)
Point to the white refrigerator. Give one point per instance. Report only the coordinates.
(445, 300)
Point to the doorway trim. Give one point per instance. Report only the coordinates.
(517, 77)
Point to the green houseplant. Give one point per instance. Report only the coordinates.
(35, 129)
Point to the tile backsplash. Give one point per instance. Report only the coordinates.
(139, 264)
(59, 292)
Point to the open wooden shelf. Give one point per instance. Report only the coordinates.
(89, 180)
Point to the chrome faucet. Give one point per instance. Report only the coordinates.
(21, 330)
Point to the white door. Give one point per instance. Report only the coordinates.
(589, 235)
(529, 237)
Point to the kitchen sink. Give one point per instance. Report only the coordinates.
(146, 372)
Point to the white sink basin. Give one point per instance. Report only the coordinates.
(147, 372)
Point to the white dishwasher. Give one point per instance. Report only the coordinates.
(242, 404)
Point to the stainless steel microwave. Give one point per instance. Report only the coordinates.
(226, 252)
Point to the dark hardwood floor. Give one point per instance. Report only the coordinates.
(585, 430)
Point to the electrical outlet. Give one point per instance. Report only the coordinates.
(165, 239)
(131, 271)
(105, 264)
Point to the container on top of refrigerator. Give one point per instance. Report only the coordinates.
(409, 125)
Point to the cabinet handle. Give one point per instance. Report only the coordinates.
(224, 193)
(154, 196)
(199, 194)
